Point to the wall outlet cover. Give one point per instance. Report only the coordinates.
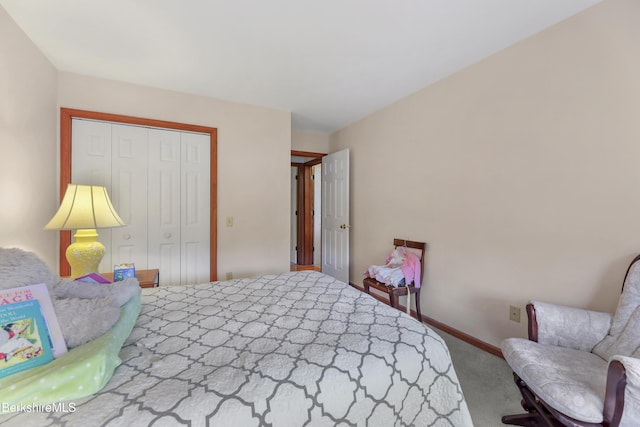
(514, 313)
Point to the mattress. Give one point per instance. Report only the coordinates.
(289, 349)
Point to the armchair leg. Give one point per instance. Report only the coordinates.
(527, 402)
(531, 420)
(536, 416)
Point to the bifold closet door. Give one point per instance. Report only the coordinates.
(164, 204)
(129, 165)
(115, 156)
(159, 183)
(179, 200)
(91, 165)
(195, 197)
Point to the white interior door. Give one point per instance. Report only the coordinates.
(335, 215)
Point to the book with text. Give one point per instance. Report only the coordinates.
(40, 293)
(24, 338)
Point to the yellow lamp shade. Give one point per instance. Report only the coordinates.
(85, 206)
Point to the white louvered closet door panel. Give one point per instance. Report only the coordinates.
(195, 203)
(129, 194)
(91, 161)
(164, 204)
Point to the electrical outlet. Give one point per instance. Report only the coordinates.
(229, 276)
(229, 221)
(514, 313)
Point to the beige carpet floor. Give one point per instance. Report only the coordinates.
(487, 382)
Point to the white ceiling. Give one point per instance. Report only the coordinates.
(329, 62)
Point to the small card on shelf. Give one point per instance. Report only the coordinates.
(123, 271)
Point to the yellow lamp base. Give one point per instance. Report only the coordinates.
(85, 254)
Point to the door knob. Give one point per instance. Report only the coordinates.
(344, 226)
(167, 235)
(126, 236)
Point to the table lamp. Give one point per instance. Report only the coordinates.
(85, 208)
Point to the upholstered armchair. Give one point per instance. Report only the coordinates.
(580, 367)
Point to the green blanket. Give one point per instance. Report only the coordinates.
(80, 372)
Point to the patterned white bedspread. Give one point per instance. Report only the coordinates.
(294, 349)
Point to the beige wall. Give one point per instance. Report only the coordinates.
(28, 149)
(521, 172)
(253, 189)
(314, 142)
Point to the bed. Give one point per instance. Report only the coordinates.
(291, 349)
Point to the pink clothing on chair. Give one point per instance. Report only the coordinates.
(411, 267)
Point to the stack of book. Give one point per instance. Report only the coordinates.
(30, 335)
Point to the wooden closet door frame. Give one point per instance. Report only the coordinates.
(66, 117)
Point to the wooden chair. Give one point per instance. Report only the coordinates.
(395, 292)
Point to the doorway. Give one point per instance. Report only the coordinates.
(306, 239)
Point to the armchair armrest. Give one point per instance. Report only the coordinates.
(622, 398)
(565, 326)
